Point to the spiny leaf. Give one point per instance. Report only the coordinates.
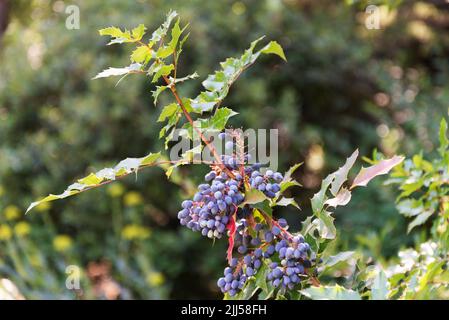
(125, 167)
(319, 198)
(275, 48)
(287, 202)
(162, 70)
(141, 54)
(383, 167)
(138, 32)
(340, 257)
(341, 175)
(341, 199)
(168, 111)
(217, 85)
(157, 92)
(118, 71)
(254, 196)
(159, 33)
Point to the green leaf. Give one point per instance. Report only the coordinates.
(175, 34)
(253, 196)
(118, 35)
(340, 257)
(125, 167)
(320, 197)
(140, 54)
(247, 292)
(217, 85)
(264, 206)
(330, 293)
(138, 32)
(168, 111)
(379, 289)
(341, 199)
(160, 32)
(410, 207)
(261, 277)
(341, 175)
(219, 120)
(289, 173)
(444, 141)
(287, 202)
(157, 92)
(188, 77)
(164, 52)
(420, 219)
(161, 71)
(275, 48)
(326, 226)
(133, 68)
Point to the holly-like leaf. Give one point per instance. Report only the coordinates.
(326, 226)
(93, 180)
(341, 175)
(168, 111)
(141, 54)
(383, 167)
(157, 92)
(341, 199)
(420, 219)
(340, 257)
(133, 68)
(162, 70)
(117, 34)
(320, 198)
(253, 196)
(287, 202)
(217, 85)
(138, 32)
(161, 32)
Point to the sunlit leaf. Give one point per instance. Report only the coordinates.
(125, 167)
(118, 71)
(341, 199)
(341, 175)
(367, 174)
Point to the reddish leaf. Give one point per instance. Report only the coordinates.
(231, 227)
(383, 167)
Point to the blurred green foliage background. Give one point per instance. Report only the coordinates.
(344, 87)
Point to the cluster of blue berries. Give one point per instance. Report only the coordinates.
(268, 183)
(294, 256)
(287, 256)
(210, 208)
(210, 211)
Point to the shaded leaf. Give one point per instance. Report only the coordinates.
(420, 219)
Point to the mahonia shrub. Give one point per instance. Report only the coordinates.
(239, 197)
(422, 272)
